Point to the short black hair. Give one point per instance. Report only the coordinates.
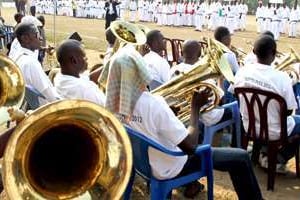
(221, 32)
(191, 49)
(152, 36)
(269, 33)
(109, 36)
(264, 46)
(65, 49)
(23, 29)
(41, 18)
(17, 16)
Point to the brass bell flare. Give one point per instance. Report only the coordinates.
(70, 149)
(12, 87)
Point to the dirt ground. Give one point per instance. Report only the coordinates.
(287, 187)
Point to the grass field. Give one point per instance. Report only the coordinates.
(287, 187)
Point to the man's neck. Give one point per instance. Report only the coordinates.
(69, 73)
(28, 47)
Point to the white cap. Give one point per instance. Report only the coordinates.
(31, 20)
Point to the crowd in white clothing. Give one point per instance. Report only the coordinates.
(277, 19)
(185, 13)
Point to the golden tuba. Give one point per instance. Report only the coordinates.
(71, 149)
(12, 87)
(285, 65)
(127, 33)
(178, 91)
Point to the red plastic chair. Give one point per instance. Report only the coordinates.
(170, 57)
(178, 44)
(253, 99)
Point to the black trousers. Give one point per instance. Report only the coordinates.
(32, 10)
(109, 18)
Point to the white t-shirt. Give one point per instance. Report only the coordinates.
(250, 59)
(34, 75)
(71, 87)
(159, 67)
(153, 117)
(181, 67)
(231, 58)
(267, 78)
(16, 47)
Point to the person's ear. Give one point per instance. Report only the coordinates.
(73, 59)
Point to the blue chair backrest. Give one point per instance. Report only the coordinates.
(140, 144)
(154, 84)
(32, 96)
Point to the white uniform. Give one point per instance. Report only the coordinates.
(70, 87)
(153, 118)
(293, 23)
(266, 78)
(275, 25)
(158, 67)
(259, 19)
(132, 11)
(34, 75)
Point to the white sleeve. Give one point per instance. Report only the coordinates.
(41, 82)
(168, 125)
(232, 60)
(288, 93)
(95, 95)
(165, 71)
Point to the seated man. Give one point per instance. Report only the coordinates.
(68, 83)
(28, 36)
(191, 53)
(222, 35)
(158, 66)
(251, 57)
(263, 76)
(152, 116)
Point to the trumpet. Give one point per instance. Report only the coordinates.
(178, 91)
(285, 65)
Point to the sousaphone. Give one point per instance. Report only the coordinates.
(12, 87)
(70, 149)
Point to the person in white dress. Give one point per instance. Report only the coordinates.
(69, 83)
(159, 67)
(132, 10)
(32, 71)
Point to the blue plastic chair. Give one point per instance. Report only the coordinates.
(32, 96)
(161, 189)
(154, 84)
(209, 131)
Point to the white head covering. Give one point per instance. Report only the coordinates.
(31, 20)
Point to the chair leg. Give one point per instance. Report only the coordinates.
(157, 192)
(126, 195)
(244, 142)
(297, 162)
(208, 136)
(272, 160)
(255, 152)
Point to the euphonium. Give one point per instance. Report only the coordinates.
(71, 149)
(128, 33)
(178, 91)
(240, 54)
(12, 87)
(285, 65)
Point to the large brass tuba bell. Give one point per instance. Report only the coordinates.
(285, 64)
(71, 149)
(12, 87)
(178, 91)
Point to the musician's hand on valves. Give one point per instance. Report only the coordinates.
(200, 98)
